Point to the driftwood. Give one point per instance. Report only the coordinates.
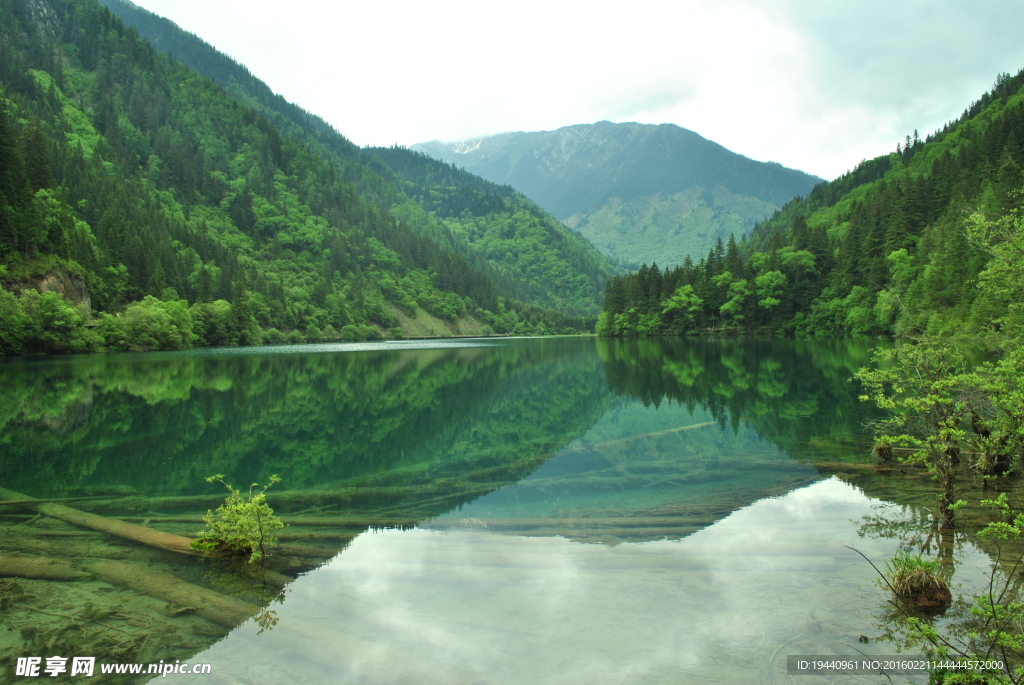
(131, 531)
(213, 606)
(43, 568)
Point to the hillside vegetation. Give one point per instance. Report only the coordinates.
(142, 207)
(639, 192)
(920, 241)
(528, 254)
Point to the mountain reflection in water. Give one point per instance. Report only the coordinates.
(457, 482)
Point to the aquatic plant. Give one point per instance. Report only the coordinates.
(987, 629)
(916, 580)
(243, 526)
(883, 450)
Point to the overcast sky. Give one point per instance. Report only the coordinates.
(816, 85)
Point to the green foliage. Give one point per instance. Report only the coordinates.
(530, 255)
(917, 580)
(770, 287)
(638, 192)
(45, 323)
(160, 186)
(213, 322)
(274, 337)
(154, 325)
(682, 307)
(931, 399)
(924, 241)
(938, 408)
(14, 324)
(990, 629)
(243, 526)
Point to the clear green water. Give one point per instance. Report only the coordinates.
(515, 511)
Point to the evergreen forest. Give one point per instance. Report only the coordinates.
(923, 241)
(143, 207)
(522, 248)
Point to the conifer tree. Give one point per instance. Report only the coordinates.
(205, 285)
(36, 157)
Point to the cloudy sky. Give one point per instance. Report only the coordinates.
(813, 84)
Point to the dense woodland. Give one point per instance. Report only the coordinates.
(142, 207)
(529, 255)
(920, 241)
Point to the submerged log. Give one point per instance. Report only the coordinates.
(131, 531)
(466, 486)
(642, 436)
(213, 606)
(42, 568)
(578, 523)
(319, 521)
(18, 502)
(303, 551)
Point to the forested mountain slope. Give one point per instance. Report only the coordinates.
(920, 240)
(529, 255)
(639, 192)
(132, 185)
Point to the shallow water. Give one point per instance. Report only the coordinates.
(560, 510)
(726, 604)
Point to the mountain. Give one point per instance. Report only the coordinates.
(143, 207)
(528, 254)
(640, 192)
(927, 239)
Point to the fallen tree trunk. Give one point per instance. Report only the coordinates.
(42, 568)
(346, 495)
(91, 498)
(319, 521)
(302, 551)
(213, 606)
(642, 436)
(131, 531)
(580, 523)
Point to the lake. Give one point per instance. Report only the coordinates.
(560, 510)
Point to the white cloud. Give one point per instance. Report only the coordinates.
(812, 85)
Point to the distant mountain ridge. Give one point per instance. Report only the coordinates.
(640, 192)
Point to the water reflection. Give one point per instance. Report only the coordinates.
(104, 423)
(726, 604)
(457, 483)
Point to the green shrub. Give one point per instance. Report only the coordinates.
(242, 526)
(274, 337)
(14, 324)
(152, 324)
(350, 333)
